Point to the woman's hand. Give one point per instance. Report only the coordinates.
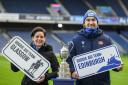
(42, 78)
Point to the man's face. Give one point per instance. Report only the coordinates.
(90, 22)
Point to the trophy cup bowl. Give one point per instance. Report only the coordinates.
(64, 53)
(64, 71)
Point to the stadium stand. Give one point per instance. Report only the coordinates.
(118, 39)
(97, 3)
(3, 41)
(26, 36)
(23, 34)
(76, 7)
(29, 6)
(56, 45)
(103, 8)
(125, 2)
(117, 8)
(65, 36)
(125, 34)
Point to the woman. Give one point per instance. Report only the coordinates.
(38, 36)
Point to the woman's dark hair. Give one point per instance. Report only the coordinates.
(38, 29)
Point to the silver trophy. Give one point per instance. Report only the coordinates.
(64, 71)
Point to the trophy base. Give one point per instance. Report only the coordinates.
(57, 81)
(63, 77)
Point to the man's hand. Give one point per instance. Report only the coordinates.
(120, 68)
(42, 78)
(75, 75)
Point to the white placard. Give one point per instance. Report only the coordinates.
(97, 61)
(24, 57)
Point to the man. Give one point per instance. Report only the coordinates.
(88, 39)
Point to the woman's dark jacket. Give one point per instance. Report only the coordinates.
(47, 52)
(84, 42)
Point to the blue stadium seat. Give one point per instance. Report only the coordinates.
(117, 8)
(3, 41)
(53, 42)
(125, 2)
(65, 36)
(118, 39)
(125, 34)
(26, 36)
(97, 3)
(75, 7)
(27, 6)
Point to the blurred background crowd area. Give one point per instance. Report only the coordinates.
(62, 19)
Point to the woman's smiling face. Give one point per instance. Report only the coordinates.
(38, 39)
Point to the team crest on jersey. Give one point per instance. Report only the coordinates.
(100, 42)
(83, 43)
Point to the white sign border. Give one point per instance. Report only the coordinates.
(17, 37)
(91, 52)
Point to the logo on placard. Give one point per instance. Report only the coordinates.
(34, 67)
(112, 62)
(83, 43)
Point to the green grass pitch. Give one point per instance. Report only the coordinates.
(7, 77)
